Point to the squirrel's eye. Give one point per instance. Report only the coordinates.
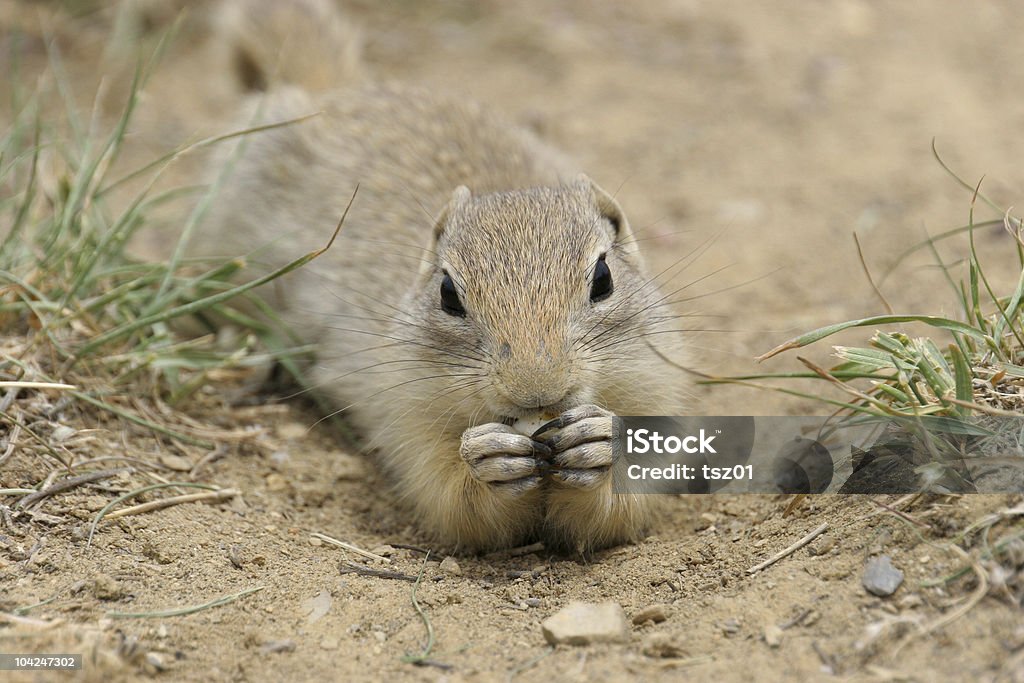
(602, 287)
(450, 298)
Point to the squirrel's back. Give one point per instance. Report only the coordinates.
(478, 281)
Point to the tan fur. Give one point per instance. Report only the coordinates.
(300, 41)
(445, 185)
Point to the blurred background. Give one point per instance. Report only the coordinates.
(774, 130)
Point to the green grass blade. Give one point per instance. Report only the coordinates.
(964, 384)
(829, 330)
(200, 304)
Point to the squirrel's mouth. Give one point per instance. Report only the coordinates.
(508, 411)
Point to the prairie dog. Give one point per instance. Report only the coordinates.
(479, 279)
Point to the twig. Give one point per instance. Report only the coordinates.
(348, 546)
(181, 611)
(900, 514)
(138, 492)
(790, 550)
(516, 552)
(353, 568)
(795, 620)
(174, 500)
(69, 484)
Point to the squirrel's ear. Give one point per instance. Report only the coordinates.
(460, 197)
(610, 210)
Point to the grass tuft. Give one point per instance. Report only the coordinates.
(977, 370)
(90, 334)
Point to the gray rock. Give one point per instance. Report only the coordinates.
(581, 623)
(880, 577)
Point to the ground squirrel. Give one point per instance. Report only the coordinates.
(478, 279)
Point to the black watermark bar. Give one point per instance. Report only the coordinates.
(37, 662)
(805, 454)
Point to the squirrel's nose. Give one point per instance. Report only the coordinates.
(550, 397)
(534, 390)
(535, 376)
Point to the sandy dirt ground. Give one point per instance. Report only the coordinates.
(777, 129)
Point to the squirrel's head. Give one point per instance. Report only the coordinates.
(536, 299)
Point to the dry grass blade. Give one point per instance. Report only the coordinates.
(213, 496)
(138, 492)
(43, 442)
(353, 568)
(182, 611)
(35, 385)
(68, 484)
(422, 657)
(874, 321)
(867, 274)
(348, 546)
(209, 301)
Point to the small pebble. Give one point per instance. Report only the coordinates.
(450, 566)
(275, 482)
(880, 577)
(277, 646)
(772, 635)
(653, 613)
(105, 587)
(62, 433)
(822, 546)
(662, 645)
(292, 430)
(175, 462)
(581, 623)
(155, 662)
(911, 601)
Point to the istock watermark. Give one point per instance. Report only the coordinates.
(809, 454)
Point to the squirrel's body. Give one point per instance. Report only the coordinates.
(477, 279)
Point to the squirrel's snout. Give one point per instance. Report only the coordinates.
(533, 380)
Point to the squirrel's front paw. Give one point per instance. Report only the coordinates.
(503, 458)
(581, 440)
